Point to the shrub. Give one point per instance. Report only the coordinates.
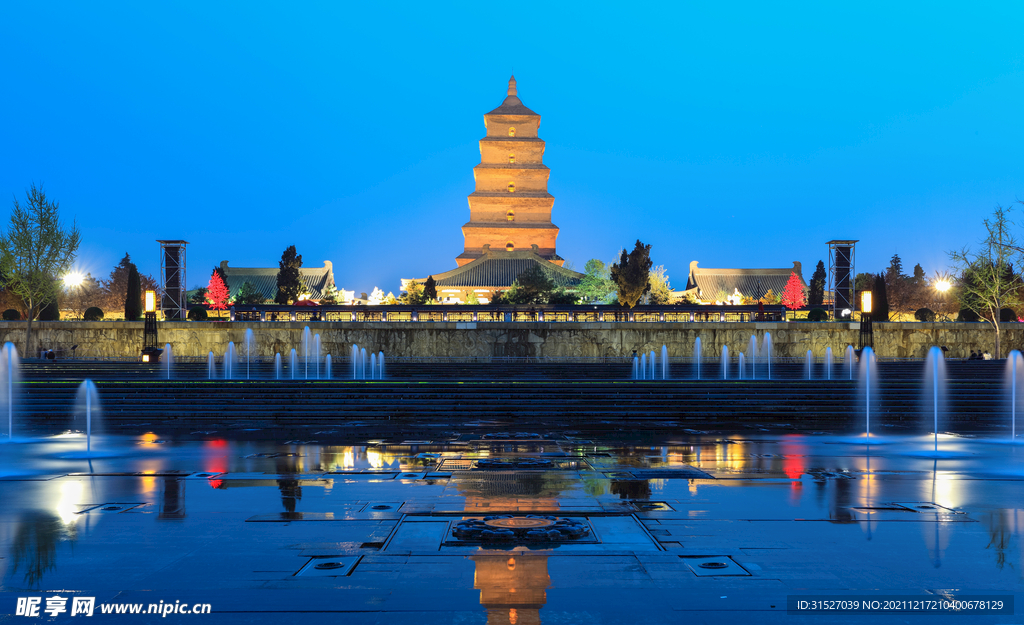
(1007, 314)
(966, 314)
(197, 313)
(925, 314)
(817, 314)
(50, 312)
(93, 314)
(12, 315)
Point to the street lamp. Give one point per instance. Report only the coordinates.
(150, 352)
(867, 333)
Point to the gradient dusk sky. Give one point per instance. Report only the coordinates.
(736, 134)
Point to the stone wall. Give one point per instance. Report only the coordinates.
(124, 339)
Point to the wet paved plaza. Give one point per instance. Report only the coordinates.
(694, 528)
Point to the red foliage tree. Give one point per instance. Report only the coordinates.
(217, 292)
(793, 295)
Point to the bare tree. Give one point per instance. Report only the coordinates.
(985, 279)
(35, 252)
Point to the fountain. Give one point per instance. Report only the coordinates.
(355, 361)
(327, 367)
(168, 357)
(293, 363)
(86, 403)
(696, 355)
(10, 372)
(211, 366)
(809, 361)
(725, 362)
(643, 366)
(373, 366)
(229, 361)
(362, 363)
(935, 386)
(664, 362)
(828, 363)
(380, 363)
(636, 368)
(1014, 369)
(766, 352)
(752, 350)
(848, 360)
(868, 385)
(316, 353)
(741, 366)
(277, 366)
(305, 351)
(250, 343)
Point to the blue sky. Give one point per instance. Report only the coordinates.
(736, 134)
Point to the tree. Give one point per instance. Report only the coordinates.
(34, 252)
(199, 297)
(562, 296)
(534, 286)
(879, 300)
(897, 286)
(115, 288)
(793, 294)
(596, 285)
(133, 295)
(817, 294)
(247, 295)
(413, 295)
(430, 289)
(77, 298)
(390, 299)
(330, 295)
(472, 299)
(661, 290)
(217, 292)
(632, 274)
(289, 283)
(987, 282)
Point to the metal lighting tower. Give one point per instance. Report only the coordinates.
(172, 279)
(841, 276)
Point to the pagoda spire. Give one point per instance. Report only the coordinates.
(512, 85)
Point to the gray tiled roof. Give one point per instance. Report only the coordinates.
(512, 106)
(750, 282)
(500, 269)
(264, 279)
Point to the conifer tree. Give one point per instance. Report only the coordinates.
(289, 283)
(793, 294)
(632, 274)
(133, 295)
(217, 292)
(879, 300)
(817, 291)
(430, 289)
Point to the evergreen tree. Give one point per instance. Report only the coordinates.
(661, 289)
(220, 271)
(817, 294)
(430, 289)
(879, 300)
(217, 292)
(414, 295)
(289, 283)
(596, 285)
(632, 274)
(247, 294)
(133, 295)
(793, 294)
(534, 286)
(472, 299)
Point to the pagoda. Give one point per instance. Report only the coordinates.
(511, 207)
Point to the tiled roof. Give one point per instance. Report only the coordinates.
(512, 106)
(264, 279)
(750, 282)
(500, 269)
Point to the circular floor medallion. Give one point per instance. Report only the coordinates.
(519, 523)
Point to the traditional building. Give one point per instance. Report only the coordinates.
(315, 279)
(723, 285)
(509, 227)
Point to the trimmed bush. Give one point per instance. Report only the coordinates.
(197, 313)
(93, 314)
(12, 315)
(50, 312)
(924, 314)
(817, 314)
(1007, 314)
(966, 314)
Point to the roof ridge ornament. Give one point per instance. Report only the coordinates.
(512, 85)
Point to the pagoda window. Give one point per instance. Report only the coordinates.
(511, 159)
(512, 131)
(510, 215)
(511, 187)
(510, 246)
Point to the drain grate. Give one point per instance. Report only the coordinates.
(110, 508)
(454, 464)
(651, 506)
(714, 566)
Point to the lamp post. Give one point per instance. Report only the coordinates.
(150, 352)
(867, 334)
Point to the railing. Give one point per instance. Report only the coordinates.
(516, 314)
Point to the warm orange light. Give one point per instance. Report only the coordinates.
(865, 302)
(150, 301)
(145, 358)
